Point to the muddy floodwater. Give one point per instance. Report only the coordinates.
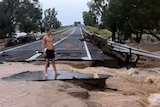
(139, 87)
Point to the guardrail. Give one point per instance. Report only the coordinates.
(122, 52)
(130, 50)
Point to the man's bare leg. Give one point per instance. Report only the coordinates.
(54, 67)
(46, 67)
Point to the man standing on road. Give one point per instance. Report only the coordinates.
(49, 52)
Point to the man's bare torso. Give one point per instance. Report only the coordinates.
(49, 42)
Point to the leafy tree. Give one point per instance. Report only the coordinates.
(29, 15)
(25, 13)
(50, 19)
(126, 17)
(89, 18)
(7, 20)
(145, 17)
(106, 19)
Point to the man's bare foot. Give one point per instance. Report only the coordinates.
(57, 73)
(46, 75)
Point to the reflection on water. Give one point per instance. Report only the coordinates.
(39, 76)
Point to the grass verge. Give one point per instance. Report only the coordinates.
(61, 28)
(102, 32)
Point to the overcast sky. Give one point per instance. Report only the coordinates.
(68, 10)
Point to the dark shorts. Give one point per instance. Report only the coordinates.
(50, 54)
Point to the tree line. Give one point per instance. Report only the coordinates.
(26, 15)
(125, 17)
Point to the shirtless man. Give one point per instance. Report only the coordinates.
(49, 53)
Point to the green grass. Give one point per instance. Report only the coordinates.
(102, 32)
(61, 28)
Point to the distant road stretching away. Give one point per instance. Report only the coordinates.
(68, 47)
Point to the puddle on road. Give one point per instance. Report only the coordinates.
(39, 76)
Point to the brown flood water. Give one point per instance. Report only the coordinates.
(136, 87)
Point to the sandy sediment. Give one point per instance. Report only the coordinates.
(136, 87)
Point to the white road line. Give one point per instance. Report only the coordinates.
(65, 37)
(33, 57)
(7, 50)
(86, 47)
(38, 54)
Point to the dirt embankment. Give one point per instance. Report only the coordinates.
(145, 62)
